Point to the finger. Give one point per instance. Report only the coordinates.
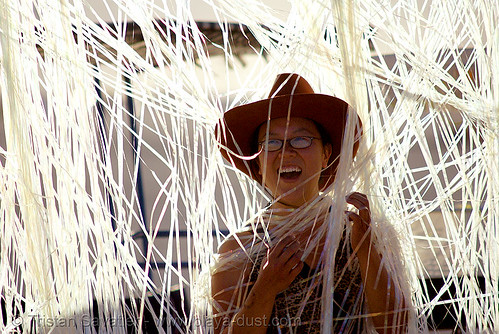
(292, 263)
(283, 254)
(358, 196)
(361, 202)
(291, 250)
(365, 213)
(358, 200)
(353, 217)
(287, 259)
(358, 222)
(282, 244)
(295, 270)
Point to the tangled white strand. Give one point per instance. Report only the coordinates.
(84, 248)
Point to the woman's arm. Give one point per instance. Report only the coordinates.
(253, 309)
(384, 300)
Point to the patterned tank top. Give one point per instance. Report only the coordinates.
(298, 308)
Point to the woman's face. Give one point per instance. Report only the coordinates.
(293, 172)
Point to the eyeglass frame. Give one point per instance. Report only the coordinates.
(283, 141)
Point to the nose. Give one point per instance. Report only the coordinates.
(287, 150)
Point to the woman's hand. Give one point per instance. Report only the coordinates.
(383, 297)
(361, 234)
(282, 265)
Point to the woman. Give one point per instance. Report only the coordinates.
(273, 276)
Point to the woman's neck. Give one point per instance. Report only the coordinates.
(283, 206)
(294, 202)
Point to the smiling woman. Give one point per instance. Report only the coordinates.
(271, 277)
(292, 173)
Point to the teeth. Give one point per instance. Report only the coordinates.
(289, 169)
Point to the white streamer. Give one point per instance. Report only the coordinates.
(423, 76)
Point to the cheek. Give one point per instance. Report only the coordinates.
(258, 163)
(316, 156)
(316, 161)
(263, 163)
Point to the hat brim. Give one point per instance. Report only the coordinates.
(242, 122)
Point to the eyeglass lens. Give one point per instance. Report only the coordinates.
(272, 145)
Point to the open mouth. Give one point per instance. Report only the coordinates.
(289, 173)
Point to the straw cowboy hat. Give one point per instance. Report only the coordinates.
(291, 94)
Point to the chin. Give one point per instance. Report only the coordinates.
(302, 190)
(293, 199)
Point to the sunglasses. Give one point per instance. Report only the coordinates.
(300, 142)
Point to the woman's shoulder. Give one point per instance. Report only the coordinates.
(233, 256)
(235, 242)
